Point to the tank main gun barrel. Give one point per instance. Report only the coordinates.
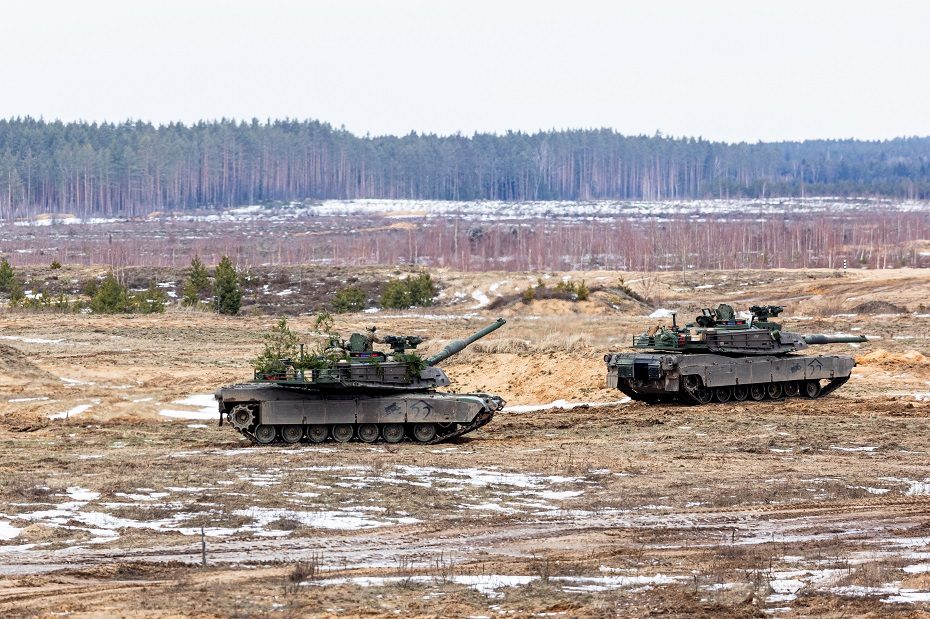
(458, 345)
(834, 339)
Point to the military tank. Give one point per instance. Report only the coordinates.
(722, 357)
(352, 391)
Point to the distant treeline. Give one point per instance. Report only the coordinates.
(134, 168)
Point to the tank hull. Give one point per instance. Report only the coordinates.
(704, 378)
(301, 415)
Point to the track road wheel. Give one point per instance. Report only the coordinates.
(740, 392)
(723, 394)
(757, 392)
(811, 389)
(703, 395)
(393, 432)
(792, 389)
(424, 432)
(265, 434)
(292, 434)
(317, 433)
(368, 432)
(343, 432)
(774, 391)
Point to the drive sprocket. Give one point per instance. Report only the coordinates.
(242, 416)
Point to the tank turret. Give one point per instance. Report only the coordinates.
(721, 331)
(350, 390)
(722, 355)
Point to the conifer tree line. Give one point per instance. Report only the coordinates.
(134, 168)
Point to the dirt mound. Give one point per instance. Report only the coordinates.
(879, 307)
(883, 357)
(16, 366)
(22, 421)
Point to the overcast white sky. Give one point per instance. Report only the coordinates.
(728, 70)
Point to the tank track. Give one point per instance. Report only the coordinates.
(695, 393)
(452, 431)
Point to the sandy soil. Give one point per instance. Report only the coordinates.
(795, 508)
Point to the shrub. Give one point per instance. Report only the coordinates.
(110, 297)
(395, 295)
(55, 265)
(422, 289)
(227, 296)
(348, 299)
(152, 301)
(280, 343)
(16, 291)
(582, 291)
(7, 276)
(411, 292)
(89, 288)
(197, 284)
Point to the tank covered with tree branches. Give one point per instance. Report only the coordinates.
(348, 389)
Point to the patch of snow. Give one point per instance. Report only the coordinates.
(661, 313)
(81, 494)
(71, 412)
(204, 402)
(327, 519)
(29, 340)
(864, 448)
(8, 531)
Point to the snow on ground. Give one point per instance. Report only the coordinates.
(29, 340)
(205, 404)
(490, 585)
(71, 412)
(7, 530)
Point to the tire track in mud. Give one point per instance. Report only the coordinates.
(64, 593)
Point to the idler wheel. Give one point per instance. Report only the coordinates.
(722, 394)
(792, 389)
(265, 434)
(424, 432)
(811, 389)
(368, 432)
(757, 392)
(317, 433)
(774, 391)
(740, 392)
(242, 416)
(292, 434)
(342, 433)
(393, 432)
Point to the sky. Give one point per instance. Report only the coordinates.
(723, 70)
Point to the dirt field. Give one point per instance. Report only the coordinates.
(111, 465)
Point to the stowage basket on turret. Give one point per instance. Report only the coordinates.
(352, 391)
(722, 357)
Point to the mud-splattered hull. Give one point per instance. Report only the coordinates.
(704, 378)
(268, 413)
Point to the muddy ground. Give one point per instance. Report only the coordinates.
(111, 465)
